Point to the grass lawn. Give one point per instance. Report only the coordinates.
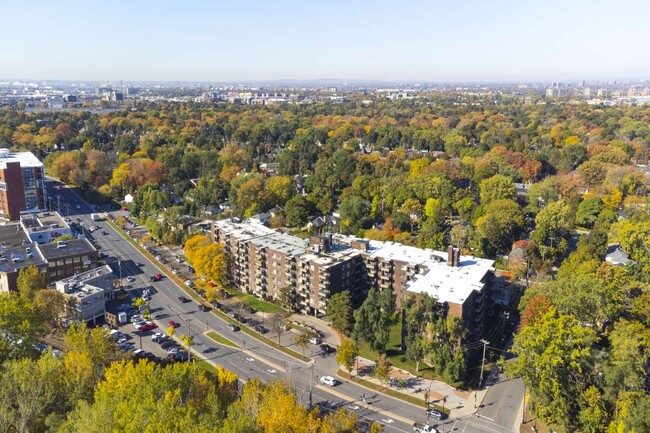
(394, 354)
(258, 304)
(207, 367)
(222, 340)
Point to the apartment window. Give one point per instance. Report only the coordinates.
(31, 202)
(59, 263)
(76, 259)
(29, 181)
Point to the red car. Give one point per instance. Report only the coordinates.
(174, 324)
(147, 326)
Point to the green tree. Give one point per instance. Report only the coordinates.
(500, 225)
(498, 187)
(29, 390)
(22, 324)
(340, 312)
(554, 359)
(551, 229)
(593, 414)
(296, 211)
(30, 279)
(347, 354)
(588, 211)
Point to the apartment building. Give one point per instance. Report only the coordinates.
(22, 184)
(261, 261)
(88, 291)
(20, 247)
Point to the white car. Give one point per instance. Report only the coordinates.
(315, 340)
(328, 380)
(130, 279)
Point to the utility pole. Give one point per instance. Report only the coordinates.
(480, 382)
(311, 376)
(189, 340)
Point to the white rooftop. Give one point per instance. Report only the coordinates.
(446, 283)
(26, 159)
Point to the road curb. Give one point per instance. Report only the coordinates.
(365, 405)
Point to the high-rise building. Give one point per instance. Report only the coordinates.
(22, 184)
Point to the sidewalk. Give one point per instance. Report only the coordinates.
(461, 403)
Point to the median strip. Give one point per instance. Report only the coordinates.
(390, 392)
(221, 339)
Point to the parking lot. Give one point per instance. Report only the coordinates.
(149, 341)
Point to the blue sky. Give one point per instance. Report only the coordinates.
(241, 40)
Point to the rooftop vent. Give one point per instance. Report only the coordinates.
(4, 152)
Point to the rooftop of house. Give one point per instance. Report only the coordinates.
(26, 159)
(616, 255)
(55, 250)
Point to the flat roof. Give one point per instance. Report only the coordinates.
(43, 221)
(72, 247)
(452, 284)
(13, 234)
(26, 159)
(13, 258)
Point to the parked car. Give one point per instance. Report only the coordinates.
(130, 279)
(167, 344)
(233, 328)
(159, 337)
(328, 380)
(326, 348)
(173, 324)
(225, 294)
(203, 308)
(261, 329)
(183, 299)
(156, 277)
(315, 340)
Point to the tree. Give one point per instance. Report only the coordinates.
(296, 211)
(588, 211)
(53, 306)
(277, 324)
(188, 341)
(340, 312)
(373, 319)
(551, 228)
(593, 415)
(279, 189)
(29, 388)
(554, 356)
(625, 366)
(498, 187)
(302, 340)
(22, 325)
(30, 279)
(346, 354)
(382, 369)
(289, 298)
(500, 225)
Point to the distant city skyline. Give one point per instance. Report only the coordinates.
(253, 41)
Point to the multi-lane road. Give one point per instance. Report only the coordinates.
(255, 359)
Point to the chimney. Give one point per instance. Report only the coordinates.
(456, 257)
(450, 255)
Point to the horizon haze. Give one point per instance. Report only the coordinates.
(412, 41)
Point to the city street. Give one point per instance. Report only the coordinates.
(256, 359)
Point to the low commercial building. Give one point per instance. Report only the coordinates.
(44, 227)
(88, 292)
(262, 261)
(20, 247)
